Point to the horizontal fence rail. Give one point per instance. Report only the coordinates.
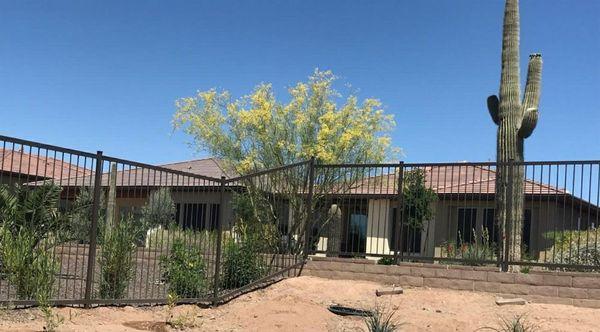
(82, 228)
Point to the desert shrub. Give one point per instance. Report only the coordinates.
(386, 261)
(33, 209)
(116, 260)
(158, 238)
(159, 210)
(472, 254)
(80, 217)
(242, 264)
(184, 270)
(518, 323)
(575, 247)
(382, 320)
(30, 267)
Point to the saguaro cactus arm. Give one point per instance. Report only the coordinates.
(530, 118)
(534, 79)
(493, 106)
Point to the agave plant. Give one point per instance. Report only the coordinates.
(34, 209)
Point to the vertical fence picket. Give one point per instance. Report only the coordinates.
(93, 231)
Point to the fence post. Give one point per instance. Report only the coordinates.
(398, 252)
(93, 230)
(509, 215)
(219, 242)
(309, 209)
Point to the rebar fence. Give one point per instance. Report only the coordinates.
(83, 228)
(80, 228)
(543, 214)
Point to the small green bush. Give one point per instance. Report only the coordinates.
(242, 264)
(31, 271)
(386, 261)
(518, 323)
(382, 320)
(117, 258)
(184, 270)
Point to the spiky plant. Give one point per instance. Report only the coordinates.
(516, 120)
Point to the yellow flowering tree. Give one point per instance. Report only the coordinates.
(258, 131)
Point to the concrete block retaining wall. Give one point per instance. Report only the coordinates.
(574, 288)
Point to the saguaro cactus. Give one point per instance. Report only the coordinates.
(516, 121)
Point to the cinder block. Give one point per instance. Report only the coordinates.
(410, 281)
(593, 293)
(422, 272)
(543, 290)
(474, 275)
(586, 282)
(519, 289)
(502, 277)
(486, 286)
(399, 270)
(573, 293)
(382, 269)
(448, 283)
(557, 280)
(529, 279)
(448, 273)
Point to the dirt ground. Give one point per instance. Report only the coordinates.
(300, 304)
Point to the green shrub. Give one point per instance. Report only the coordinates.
(472, 254)
(382, 320)
(159, 238)
(575, 247)
(117, 265)
(80, 216)
(518, 323)
(386, 261)
(184, 270)
(159, 210)
(242, 264)
(29, 267)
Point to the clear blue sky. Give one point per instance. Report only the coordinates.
(105, 74)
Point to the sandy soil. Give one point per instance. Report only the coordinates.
(300, 304)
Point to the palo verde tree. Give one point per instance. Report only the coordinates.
(258, 131)
(516, 119)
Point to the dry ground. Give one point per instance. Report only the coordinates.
(300, 304)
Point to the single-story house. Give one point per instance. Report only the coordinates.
(465, 206)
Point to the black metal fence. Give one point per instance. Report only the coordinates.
(101, 230)
(448, 212)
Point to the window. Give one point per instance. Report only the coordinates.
(467, 221)
(194, 216)
(494, 231)
(411, 236)
(355, 229)
(214, 217)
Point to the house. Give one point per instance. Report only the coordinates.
(463, 210)
(196, 197)
(17, 166)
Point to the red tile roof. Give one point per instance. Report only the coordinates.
(38, 166)
(454, 179)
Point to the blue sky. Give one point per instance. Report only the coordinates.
(105, 75)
